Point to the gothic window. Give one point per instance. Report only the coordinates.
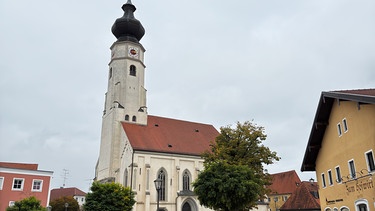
(134, 118)
(132, 70)
(186, 180)
(186, 207)
(126, 178)
(127, 117)
(162, 192)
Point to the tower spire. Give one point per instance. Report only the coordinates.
(128, 28)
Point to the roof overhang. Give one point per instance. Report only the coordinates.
(322, 116)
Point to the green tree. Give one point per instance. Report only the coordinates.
(109, 197)
(59, 204)
(27, 204)
(235, 150)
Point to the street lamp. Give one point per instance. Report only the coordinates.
(66, 206)
(158, 187)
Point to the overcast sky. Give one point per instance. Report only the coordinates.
(210, 61)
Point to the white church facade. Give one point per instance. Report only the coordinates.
(137, 148)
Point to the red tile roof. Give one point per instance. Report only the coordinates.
(284, 182)
(305, 197)
(366, 92)
(60, 192)
(26, 166)
(170, 136)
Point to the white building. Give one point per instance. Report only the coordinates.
(137, 148)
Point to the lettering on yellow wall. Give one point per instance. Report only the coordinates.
(361, 186)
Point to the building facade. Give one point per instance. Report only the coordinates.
(19, 181)
(341, 150)
(282, 187)
(76, 193)
(137, 148)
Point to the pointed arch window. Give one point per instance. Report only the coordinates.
(162, 193)
(126, 178)
(134, 118)
(133, 71)
(186, 180)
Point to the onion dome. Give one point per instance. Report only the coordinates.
(127, 28)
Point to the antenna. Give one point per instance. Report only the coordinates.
(65, 176)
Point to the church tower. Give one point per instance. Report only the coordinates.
(125, 99)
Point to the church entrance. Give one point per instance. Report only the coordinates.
(189, 205)
(186, 207)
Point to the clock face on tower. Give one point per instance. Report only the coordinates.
(133, 52)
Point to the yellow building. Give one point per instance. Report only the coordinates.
(341, 150)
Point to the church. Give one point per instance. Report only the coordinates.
(137, 148)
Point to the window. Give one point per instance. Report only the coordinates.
(110, 73)
(285, 198)
(370, 161)
(127, 117)
(126, 177)
(162, 192)
(37, 185)
(1, 182)
(339, 129)
(323, 181)
(186, 180)
(330, 177)
(338, 174)
(344, 209)
(345, 125)
(132, 70)
(352, 169)
(11, 203)
(134, 118)
(17, 184)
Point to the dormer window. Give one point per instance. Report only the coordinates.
(132, 70)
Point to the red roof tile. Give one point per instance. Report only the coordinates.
(304, 197)
(366, 92)
(60, 192)
(284, 182)
(26, 166)
(170, 136)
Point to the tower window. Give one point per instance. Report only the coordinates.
(132, 70)
(110, 73)
(127, 117)
(134, 118)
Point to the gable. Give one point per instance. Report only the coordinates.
(321, 120)
(284, 182)
(170, 136)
